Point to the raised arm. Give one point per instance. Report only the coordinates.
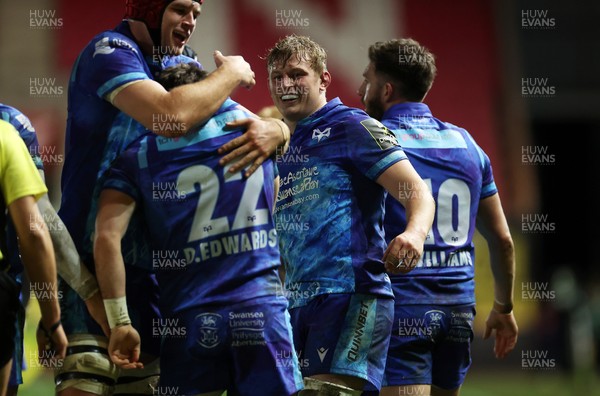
(186, 106)
(114, 212)
(493, 226)
(405, 185)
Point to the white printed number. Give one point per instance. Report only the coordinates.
(449, 189)
(246, 215)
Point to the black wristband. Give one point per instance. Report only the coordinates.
(53, 328)
(503, 308)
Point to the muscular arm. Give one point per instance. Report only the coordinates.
(38, 258)
(68, 264)
(493, 226)
(172, 113)
(405, 185)
(179, 109)
(114, 212)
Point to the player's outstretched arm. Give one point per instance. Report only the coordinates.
(69, 266)
(114, 212)
(38, 258)
(403, 183)
(263, 138)
(173, 113)
(493, 226)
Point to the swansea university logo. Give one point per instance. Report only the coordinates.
(208, 330)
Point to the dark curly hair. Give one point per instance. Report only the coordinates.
(183, 73)
(406, 63)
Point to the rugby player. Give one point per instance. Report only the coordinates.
(329, 218)
(435, 303)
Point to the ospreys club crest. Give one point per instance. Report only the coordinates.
(320, 135)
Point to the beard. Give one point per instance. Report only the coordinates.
(374, 108)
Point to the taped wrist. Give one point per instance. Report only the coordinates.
(116, 312)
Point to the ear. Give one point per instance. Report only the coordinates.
(325, 80)
(388, 92)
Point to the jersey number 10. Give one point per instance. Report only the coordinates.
(452, 231)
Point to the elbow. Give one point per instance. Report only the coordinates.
(503, 244)
(507, 245)
(37, 239)
(106, 243)
(38, 233)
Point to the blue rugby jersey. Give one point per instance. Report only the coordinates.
(26, 131)
(110, 60)
(96, 130)
(329, 209)
(459, 175)
(212, 233)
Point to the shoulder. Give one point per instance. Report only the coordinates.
(13, 151)
(359, 123)
(111, 42)
(8, 134)
(19, 120)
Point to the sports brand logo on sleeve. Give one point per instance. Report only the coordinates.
(106, 46)
(383, 136)
(103, 48)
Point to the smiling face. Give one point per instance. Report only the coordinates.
(296, 88)
(178, 24)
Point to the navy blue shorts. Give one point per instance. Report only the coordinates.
(344, 334)
(245, 348)
(430, 345)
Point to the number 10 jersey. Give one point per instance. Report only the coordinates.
(459, 175)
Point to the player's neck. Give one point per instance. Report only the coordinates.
(292, 124)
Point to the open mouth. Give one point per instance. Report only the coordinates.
(180, 38)
(289, 98)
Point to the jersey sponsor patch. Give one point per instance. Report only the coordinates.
(382, 135)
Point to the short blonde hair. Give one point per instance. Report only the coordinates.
(301, 46)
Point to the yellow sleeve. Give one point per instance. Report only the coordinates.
(18, 175)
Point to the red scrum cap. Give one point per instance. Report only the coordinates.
(148, 11)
